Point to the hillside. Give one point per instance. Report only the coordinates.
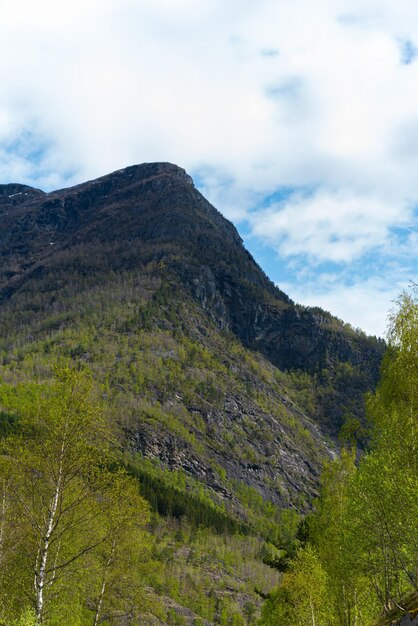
(153, 214)
(227, 394)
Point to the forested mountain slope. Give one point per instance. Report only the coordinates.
(151, 219)
(227, 394)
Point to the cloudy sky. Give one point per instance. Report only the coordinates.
(297, 119)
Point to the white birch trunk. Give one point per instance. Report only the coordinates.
(40, 576)
(42, 559)
(312, 613)
(103, 589)
(99, 603)
(3, 510)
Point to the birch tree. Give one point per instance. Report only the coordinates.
(365, 527)
(116, 590)
(303, 597)
(385, 496)
(58, 484)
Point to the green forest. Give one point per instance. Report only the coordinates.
(92, 533)
(359, 557)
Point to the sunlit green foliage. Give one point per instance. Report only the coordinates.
(160, 363)
(385, 492)
(69, 525)
(365, 528)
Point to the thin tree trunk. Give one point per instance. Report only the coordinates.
(40, 577)
(43, 554)
(104, 582)
(99, 603)
(3, 519)
(312, 613)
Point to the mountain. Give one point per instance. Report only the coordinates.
(153, 213)
(150, 221)
(228, 394)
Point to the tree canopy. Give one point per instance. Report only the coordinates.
(363, 535)
(67, 513)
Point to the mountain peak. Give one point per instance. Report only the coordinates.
(12, 194)
(134, 175)
(14, 189)
(144, 171)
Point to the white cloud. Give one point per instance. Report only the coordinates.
(250, 96)
(335, 227)
(115, 82)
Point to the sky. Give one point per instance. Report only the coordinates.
(298, 120)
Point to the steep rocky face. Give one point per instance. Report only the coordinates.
(271, 459)
(153, 213)
(153, 210)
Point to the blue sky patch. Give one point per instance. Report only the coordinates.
(409, 52)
